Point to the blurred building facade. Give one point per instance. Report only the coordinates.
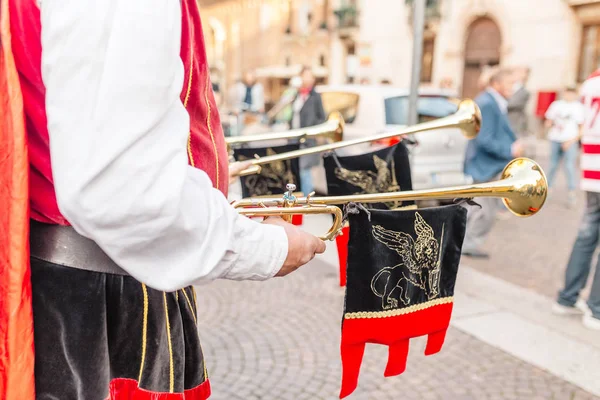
(360, 40)
(274, 38)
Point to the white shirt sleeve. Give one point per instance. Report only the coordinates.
(118, 134)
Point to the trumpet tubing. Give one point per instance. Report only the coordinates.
(523, 188)
(467, 119)
(333, 129)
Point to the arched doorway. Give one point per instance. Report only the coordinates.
(482, 48)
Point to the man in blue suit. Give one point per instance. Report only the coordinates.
(488, 154)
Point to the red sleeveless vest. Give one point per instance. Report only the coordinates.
(206, 145)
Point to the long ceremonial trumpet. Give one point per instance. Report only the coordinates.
(333, 129)
(467, 118)
(523, 189)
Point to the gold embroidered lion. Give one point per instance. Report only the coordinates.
(383, 181)
(273, 176)
(420, 267)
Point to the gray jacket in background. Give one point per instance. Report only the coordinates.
(517, 116)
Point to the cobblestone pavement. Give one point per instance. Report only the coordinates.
(280, 340)
(533, 252)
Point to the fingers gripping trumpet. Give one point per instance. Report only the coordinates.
(523, 188)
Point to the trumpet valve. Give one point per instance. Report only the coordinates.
(288, 198)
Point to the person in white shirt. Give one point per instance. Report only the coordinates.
(564, 118)
(579, 267)
(129, 178)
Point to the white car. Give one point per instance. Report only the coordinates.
(437, 157)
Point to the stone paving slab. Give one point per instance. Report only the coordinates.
(280, 340)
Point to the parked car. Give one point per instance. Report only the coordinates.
(437, 158)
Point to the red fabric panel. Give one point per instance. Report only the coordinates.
(127, 389)
(207, 148)
(342, 247)
(297, 219)
(16, 318)
(394, 332)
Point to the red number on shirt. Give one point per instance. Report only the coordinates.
(595, 111)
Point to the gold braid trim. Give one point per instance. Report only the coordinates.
(144, 332)
(209, 126)
(401, 311)
(185, 103)
(411, 207)
(198, 329)
(171, 366)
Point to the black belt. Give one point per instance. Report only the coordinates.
(62, 245)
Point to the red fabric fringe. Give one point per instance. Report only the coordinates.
(394, 332)
(127, 389)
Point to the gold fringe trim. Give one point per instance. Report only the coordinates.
(396, 312)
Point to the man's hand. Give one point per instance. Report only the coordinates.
(518, 148)
(302, 246)
(237, 167)
(566, 145)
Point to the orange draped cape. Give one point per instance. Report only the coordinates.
(16, 318)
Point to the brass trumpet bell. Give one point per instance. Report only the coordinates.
(523, 188)
(468, 118)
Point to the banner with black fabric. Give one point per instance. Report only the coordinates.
(273, 177)
(402, 267)
(385, 170)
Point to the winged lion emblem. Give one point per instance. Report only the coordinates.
(419, 269)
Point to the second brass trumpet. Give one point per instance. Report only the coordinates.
(333, 129)
(467, 119)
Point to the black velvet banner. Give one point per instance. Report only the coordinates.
(273, 177)
(401, 258)
(402, 268)
(385, 170)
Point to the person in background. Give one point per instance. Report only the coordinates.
(517, 103)
(283, 111)
(447, 83)
(565, 119)
(484, 78)
(216, 86)
(386, 82)
(130, 168)
(307, 111)
(580, 261)
(488, 154)
(248, 95)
